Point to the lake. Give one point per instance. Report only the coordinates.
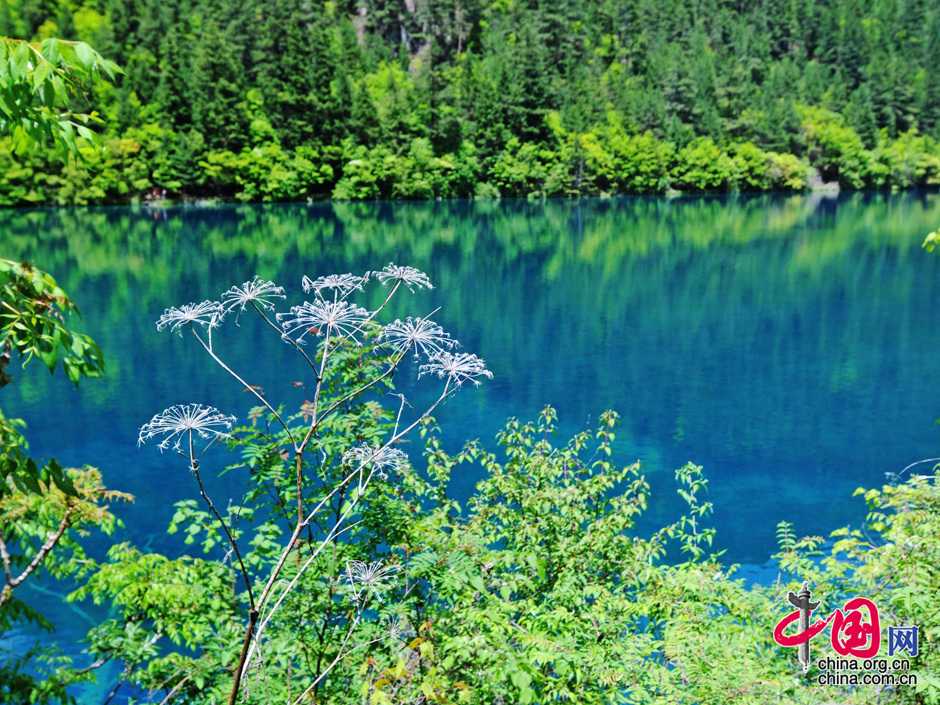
(787, 344)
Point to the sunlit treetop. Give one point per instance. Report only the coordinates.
(932, 240)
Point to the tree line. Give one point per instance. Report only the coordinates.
(284, 100)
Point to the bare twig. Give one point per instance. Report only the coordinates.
(194, 466)
(176, 689)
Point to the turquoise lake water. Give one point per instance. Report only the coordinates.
(787, 344)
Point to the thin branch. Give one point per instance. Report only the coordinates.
(297, 346)
(50, 543)
(176, 689)
(339, 656)
(356, 392)
(384, 303)
(94, 665)
(915, 464)
(265, 595)
(250, 388)
(194, 466)
(7, 564)
(241, 666)
(299, 450)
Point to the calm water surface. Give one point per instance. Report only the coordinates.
(788, 345)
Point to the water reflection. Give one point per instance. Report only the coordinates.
(788, 345)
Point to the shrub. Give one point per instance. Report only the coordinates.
(786, 171)
(835, 148)
(521, 169)
(751, 167)
(267, 172)
(910, 160)
(702, 165)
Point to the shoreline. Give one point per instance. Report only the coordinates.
(186, 202)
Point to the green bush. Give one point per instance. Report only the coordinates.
(521, 169)
(751, 167)
(267, 172)
(835, 148)
(786, 171)
(615, 161)
(641, 162)
(540, 588)
(910, 160)
(367, 173)
(702, 166)
(605, 159)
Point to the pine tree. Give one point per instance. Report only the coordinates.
(930, 100)
(852, 44)
(215, 88)
(6, 20)
(860, 115)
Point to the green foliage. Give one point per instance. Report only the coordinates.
(910, 159)
(33, 324)
(930, 242)
(45, 510)
(267, 173)
(39, 82)
(834, 148)
(271, 100)
(540, 588)
(639, 163)
(702, 165)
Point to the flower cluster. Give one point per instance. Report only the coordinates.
(456, 367)
(324, 316)
(320, 317)
(422, 334)
(206, 314)
(340, 284)
(381, 459)
(368, 578)
(173, 424)
(259, 292)
(409, 276)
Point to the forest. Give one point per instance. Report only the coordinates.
(276, 100)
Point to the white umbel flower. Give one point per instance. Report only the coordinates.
(341, 284)
(400, 629)
(258, 291)
(338, 318)
(365, 578)
(423, 335)
(172, 424)
(409, 276)
(456, 367)
(381, 460)
(206, 314)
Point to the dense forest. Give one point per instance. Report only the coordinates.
(283, 99)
